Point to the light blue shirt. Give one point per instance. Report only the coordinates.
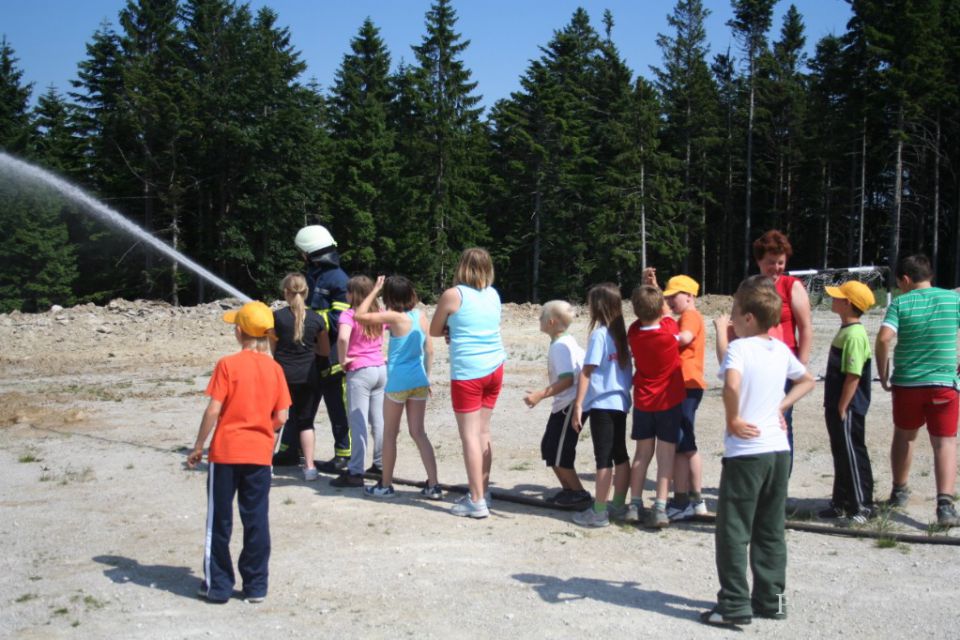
(609, 383)
(476, 349)
(405, 368)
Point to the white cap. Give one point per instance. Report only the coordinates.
(314, 238)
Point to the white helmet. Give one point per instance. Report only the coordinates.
(314, 238)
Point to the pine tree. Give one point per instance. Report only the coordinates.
(14, 97)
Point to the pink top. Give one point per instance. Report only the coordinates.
(364, 351)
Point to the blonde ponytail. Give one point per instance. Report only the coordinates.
(295, 293)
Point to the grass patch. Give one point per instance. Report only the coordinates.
(288, 501)
(93, 603)
(27, 597)
(62, 611)
(28, 457)
(936, 529)
(521, 466)
(885, 543)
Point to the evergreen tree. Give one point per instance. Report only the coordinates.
(365, 164)
(14, 97)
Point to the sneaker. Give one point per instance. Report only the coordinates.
(700, 508)
(432, 493)
(590, 518)
(617, 513)
(347, 480)
(947, 515)
(466, 507)
(254, 599)
(336, 464)
(863, 516)
(678, 513)
(717, 619)
(899, 497)
(560, 496)
(831, 513)
(374, 470)
(379, 491)
(633, 512)
(309, 474)
(571, 498)
(657, 518)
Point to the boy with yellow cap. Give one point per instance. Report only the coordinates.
(846, 398)
(248, 404)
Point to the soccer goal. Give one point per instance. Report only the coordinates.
(877, 278)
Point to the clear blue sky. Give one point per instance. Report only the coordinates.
(49, 36)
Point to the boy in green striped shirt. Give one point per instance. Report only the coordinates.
(924, 383)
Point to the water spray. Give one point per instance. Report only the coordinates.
(27, 171)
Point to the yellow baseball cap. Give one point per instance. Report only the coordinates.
(681, 284)
(857, 293)
(253, 318)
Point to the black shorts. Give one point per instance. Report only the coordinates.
(558, 448)
(608, 428)
(688, 440)
(662, 425)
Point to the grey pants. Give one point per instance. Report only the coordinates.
(365, 407)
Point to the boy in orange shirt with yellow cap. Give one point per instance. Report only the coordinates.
(248, 404)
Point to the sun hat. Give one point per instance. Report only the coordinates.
(314, 238)
(681, 284)
(856, 292)
(253, 318)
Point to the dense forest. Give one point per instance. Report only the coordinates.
(191, 118)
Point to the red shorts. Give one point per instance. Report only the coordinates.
(470, 395)
(938, 407)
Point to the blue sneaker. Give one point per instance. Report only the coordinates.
(379, 491)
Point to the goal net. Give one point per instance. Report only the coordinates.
(815, 280)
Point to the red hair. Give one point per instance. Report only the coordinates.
(774, 242)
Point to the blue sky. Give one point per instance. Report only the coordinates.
(49, 36)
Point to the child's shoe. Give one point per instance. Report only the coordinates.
(657, 518)
(700, 508)
(633, 513)
(380, 491)
(676, 513)
(432, 493)
(348, 480)
(591, 518)
(947, 515)
(899, 497)
(309, 475)
(466, 507)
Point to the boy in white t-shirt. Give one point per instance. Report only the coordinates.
(564, 361)
(756, 460)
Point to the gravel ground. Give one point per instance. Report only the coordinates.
(103, 526)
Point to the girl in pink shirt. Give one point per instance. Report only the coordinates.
(361, 347)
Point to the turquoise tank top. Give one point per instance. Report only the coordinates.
(405, 369)
(476, 349)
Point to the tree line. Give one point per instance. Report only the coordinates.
(190, 117)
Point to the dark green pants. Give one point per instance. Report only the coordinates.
(753, 494)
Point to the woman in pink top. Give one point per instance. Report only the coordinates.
(366, 370)
(771, 251)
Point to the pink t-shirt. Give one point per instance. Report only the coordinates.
(364, 351)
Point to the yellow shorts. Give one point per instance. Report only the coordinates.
(417, 393)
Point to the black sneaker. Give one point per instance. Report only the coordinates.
(716, 619)
(572, 498)
(559, 496)
(831, 513)
(947, 515)
(336, 464)
(374, 470)
(899, 497)
(348, 480)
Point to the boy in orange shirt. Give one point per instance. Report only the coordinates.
(248, 404)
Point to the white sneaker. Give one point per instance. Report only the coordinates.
(466, 507)
(309, 474)
(700, 508)
(590, 518)
(632, 513)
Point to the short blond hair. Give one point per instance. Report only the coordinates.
(559, 310)
(475, 269)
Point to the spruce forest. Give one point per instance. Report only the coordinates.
(192, 118)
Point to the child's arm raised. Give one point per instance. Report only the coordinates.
(364, 315)
(736, 426)
(722, 325)
(207, 423)
(576, 420)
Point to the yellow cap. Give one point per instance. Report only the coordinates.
(857, 293)
(681, 284)
(253, 318)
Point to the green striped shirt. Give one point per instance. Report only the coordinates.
(926, 322)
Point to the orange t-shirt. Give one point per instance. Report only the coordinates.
(252, 388)
(691, 356)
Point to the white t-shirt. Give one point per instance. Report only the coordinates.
(565, 357)
(610, 383)
(764, 365)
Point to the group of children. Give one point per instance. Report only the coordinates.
(656, 366)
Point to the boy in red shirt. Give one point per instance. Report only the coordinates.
(248, 404)
(658, 392)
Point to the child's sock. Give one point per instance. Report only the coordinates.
(660, 505)
(637, 501)
(944, 498)
(681, 498)
(599, 507)
(695, 497)
(619, 499)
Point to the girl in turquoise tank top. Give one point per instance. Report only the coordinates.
(408, 378)
(468, 314)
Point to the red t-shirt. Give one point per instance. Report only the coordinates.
(657, 377)
(252, 388)
(787, 326)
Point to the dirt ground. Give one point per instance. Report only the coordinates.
(102, 526)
